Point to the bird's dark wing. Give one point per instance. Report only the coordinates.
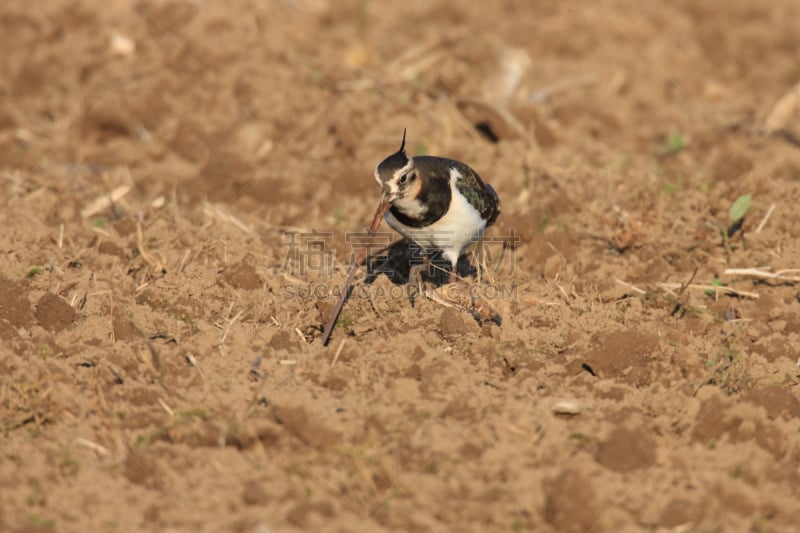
(480, 195)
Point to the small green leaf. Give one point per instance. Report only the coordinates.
(544, 221)
(740, 207)
(34, 271)
(716, 282)
(675, 143)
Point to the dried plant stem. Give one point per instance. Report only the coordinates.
(764, 273)
(376, 222)
(222, 214)
(630, 286)
(97, 448)
(435, 297)
(765, 219)
(105, 201)
(716, 288)
(155, 263)
(229, 323)
(338, 352)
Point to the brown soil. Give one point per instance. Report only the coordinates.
(160, 356)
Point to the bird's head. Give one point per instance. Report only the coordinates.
(396, 175)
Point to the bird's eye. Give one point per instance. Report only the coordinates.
(403, 178)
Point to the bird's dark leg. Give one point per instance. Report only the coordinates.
(415, 279)
(453, 272)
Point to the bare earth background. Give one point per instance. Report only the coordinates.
(160, 361)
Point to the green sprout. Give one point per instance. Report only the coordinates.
(34, 271)
(736, 214)
(716, 282)
(675, 143)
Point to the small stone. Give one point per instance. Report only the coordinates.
(451, 322)
(566, 407)
(122, 45)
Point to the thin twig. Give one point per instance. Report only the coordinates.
(435, 297)
(338, 351)
(105, 201)
(222, 214)
(376, 221)
(716, 288)
(766, 217)
(155, 263)
(689, 282)
(97, 448)
(764, 273)
(184, 260)
(228, 325)
(193, 361)
(631, 287)
(166, 407)
(372, 304)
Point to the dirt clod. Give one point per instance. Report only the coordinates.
(253, 493)
(622, 354)
(451, 322)
(242, 276)
(310, 515)
(777, 400)
(14, 306)
(124, 328)
(141, 469)
(307, 428)
(53, 313)
(283, 340)
(627, 449)
(681, 512)
(569, 502)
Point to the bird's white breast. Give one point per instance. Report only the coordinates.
(458, 228)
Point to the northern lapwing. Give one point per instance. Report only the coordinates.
(438, 203)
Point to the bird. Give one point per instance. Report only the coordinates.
(440, 204)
